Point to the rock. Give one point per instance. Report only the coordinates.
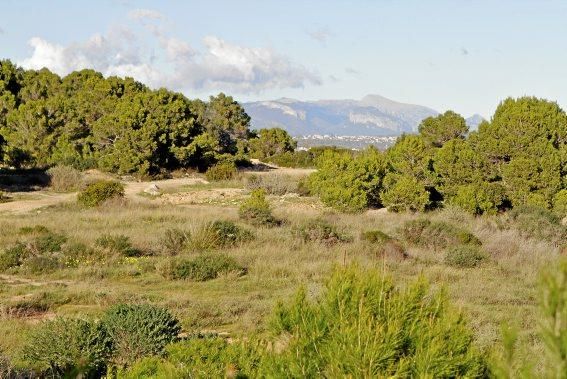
(153, 190)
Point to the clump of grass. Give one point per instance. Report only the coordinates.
(387, 245)
(273, 184)
(464, 256)
(117, 245)
(206, 266)
(64, 178)
(256, 210)
(219, 234)
(36, 229)
(319, 230)
(174, 241)
(436, 234)
(100, 191)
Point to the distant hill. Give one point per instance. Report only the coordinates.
(373, 115)
(474, 121)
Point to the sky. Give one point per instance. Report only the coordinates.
(464, 55)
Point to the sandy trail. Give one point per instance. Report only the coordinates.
(132, 190)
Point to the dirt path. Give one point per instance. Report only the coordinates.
(132, 191)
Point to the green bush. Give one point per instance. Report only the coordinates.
(363, 326)
(206, 266)
(139, 330)
(404, 193)
(349, 183)
(219, 234)
(256, 210)
(117, 245)
(174, 241)
(296, 159)
(13, 256)
(437, 234)
(318, 230)
(68, 348)
(479, 198)
(375, 236)
(98, 192)
(42, 264)
(47, 243)
(64, 178)
(225, 170)
(464, 256)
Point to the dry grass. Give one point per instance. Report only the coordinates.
(501, 290)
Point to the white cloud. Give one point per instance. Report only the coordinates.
(321, 34)
(220, 66)
(241, 69)
(145, 14)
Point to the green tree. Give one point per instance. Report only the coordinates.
(271, 142)
(404, 193)
(440, 129)
(349, 183)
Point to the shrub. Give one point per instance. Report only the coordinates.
(69, 348)
(318, 230)
(296, 159)
(219, 234)
(205, 267)
(64, 178)
(225, 170)
(375, 236)
(537, 222)
(256, 210)
(117, 245)
(436, 235)
(42, 264)
(138, 330)
(47, 242)
(347, 183)
(464, 256)
(174, 241)
(13, 256)
(419, 334)
(404, 193)
(98, 192)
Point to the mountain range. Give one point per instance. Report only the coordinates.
(373, 115)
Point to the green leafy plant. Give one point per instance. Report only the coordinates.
(69, 348)
(256, 210)
(98, 192)
(139, 330)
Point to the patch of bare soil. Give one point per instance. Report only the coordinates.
(224, 196)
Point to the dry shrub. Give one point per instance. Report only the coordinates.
(64, 178)
(274, 184)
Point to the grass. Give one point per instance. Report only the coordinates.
(502, 289)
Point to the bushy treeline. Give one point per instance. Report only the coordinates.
(517, 158)
(119, 125)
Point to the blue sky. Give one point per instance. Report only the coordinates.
(465, 55)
